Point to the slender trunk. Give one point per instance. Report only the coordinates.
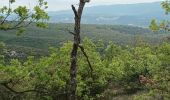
(77, 39)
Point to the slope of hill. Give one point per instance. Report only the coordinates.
(57, 34)
(124, 14)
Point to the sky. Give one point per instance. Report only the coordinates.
(56, 5)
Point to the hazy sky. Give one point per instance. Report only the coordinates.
(65, 4)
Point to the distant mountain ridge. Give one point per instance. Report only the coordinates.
(124, 14)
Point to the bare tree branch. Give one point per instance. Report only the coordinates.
(22, 92)
(71, 32)
(74, 10)
(87, 58)
(77, 40)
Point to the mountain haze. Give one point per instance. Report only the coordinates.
(124, 14)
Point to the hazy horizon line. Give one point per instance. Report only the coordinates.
(108, 5)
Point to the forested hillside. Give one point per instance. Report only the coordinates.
(57, 34)
(40, 60)
(115, 74)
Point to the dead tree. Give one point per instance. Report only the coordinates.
(76, 44)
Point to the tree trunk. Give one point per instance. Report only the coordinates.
(77, 40)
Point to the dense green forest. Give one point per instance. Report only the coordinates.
(57, 34)
(36, 64)
(81, 61)
(36, 43)
(116, 71)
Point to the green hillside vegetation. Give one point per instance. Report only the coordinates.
(119, 55)
(57, 34)
(36, 41)
(94, 62)
(115, 74)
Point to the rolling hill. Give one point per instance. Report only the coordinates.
(57, 34)
(123, 14)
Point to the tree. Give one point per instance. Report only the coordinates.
(76, 45)
(164, 25)
(161, 75)
(154, 26)
(17, 18)
(22, 16)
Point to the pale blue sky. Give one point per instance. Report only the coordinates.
(55, 5)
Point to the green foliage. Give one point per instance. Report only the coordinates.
(37, 39)
(166, 6)
(23, 16)
(2, 49)
(115, 65)
(161, 74)
(22, 12)
(163, 25)
(154, 26)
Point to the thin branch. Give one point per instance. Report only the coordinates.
(22, 92)
(71, 32)
(6, 86)
(87, 58)
(75, 11)
(21, 26)
(5, 19)
(33, 90)
(18, 25)
(6, 82)
(20, 22)
(8, 14)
